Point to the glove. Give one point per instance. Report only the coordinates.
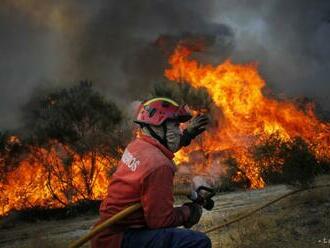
(195, 214)
(195, 128)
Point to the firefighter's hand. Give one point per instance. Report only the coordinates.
(195, 214)
(196, 126)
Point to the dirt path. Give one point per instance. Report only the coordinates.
(60, 233)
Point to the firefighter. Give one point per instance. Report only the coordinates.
(145, 174)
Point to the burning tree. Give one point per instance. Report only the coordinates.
(80, 127)
(73, 139)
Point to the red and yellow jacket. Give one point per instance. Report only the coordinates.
(144, 174)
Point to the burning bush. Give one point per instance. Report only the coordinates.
(228, 180)
(290, 162)
(247, 117)
(10, 152)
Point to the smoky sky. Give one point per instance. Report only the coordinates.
(118, 44)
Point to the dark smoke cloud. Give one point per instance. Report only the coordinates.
(119, 47)
(116, 44)
(36, 41)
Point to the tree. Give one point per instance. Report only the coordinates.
(74, 116)
(80, 128)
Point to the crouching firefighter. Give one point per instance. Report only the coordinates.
(145, 175)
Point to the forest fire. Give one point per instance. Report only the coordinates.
(58, 176)
(248, 117)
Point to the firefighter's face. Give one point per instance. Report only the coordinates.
(173, 135)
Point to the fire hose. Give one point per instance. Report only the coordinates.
(196, 196)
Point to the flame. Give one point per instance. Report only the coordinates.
(248, 115)
(43, 179)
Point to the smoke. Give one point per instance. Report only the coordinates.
(36, 48)
(199, 181)
(288, 39)
(123, 45)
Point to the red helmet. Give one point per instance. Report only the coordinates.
(158, 110)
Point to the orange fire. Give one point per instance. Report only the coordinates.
(247, 115)
(44, 179)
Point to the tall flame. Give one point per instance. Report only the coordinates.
(248, 115)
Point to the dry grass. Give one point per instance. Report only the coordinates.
(299, 221)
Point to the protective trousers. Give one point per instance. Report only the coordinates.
(165, 238)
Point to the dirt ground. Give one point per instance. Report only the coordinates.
(301, 220)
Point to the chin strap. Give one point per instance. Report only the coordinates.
(163, 141)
